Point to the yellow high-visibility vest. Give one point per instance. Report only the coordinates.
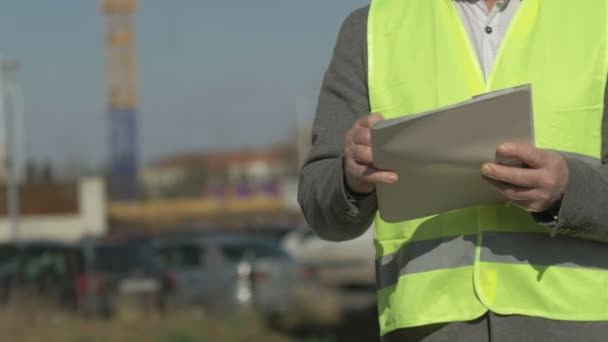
(458, 265)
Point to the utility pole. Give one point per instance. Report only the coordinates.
(8, 105)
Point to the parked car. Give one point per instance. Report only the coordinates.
(224, 272)
(92, 277)
(122, 273)
(44, 270)
(8, 266)
(344, 271)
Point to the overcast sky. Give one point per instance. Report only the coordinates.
(204, 67)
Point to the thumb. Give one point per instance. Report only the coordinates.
(371, 119)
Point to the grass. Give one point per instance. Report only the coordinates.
(36, 324)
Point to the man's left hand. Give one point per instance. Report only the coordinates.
(538, 185)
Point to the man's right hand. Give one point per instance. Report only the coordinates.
(360, 176)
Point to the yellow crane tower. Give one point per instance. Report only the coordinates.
(121, 92)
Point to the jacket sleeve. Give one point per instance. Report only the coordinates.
(584, 209)
(331, 213)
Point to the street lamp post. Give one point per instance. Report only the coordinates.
(8, 100)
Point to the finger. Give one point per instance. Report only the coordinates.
(374, 176)
(527, 199)
(512, 192)
(362, 136)
(369, 120)
(529, 155)
(527, 178)
(362, 154)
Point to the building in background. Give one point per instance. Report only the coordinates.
(220, 174)
(242, 189)
(63, 212)
(177, 176)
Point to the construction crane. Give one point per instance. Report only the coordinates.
(121, 92)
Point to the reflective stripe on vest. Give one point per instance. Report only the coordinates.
(501, 247)
(457, 265)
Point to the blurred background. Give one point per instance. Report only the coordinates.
(149, 156)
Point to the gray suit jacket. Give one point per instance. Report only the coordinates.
(344, 99)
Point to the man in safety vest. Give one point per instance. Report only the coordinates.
(532, 270)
